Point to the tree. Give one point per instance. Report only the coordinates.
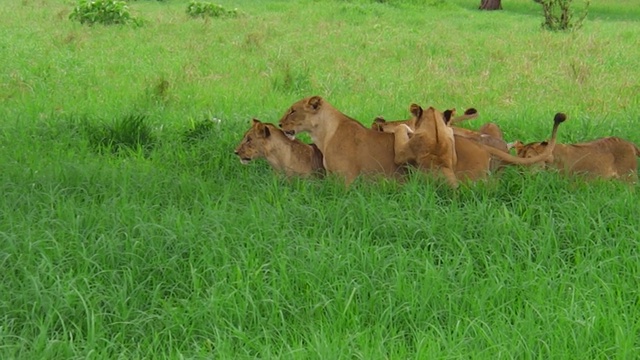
(491, 5)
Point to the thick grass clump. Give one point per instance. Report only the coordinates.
(200, 130)
(176, 250)
(123, 135)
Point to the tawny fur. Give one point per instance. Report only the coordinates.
(431, 148)
(379, 123)
(349, 148)
(607, 158)
(290, 156)
(474, 159)
(489, 134)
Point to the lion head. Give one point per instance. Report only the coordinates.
(300, 116)
(253, 143)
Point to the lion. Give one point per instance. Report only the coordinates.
(291, 156)
(349, 148)
(473, 159)
(431, 147)
(379, 123)
(606, 158)
(489, 134)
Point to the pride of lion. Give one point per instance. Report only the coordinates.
(429, 141)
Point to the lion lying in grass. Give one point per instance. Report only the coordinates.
(431, 147)
(473, 158)
(489, 134)
(607, 158)
(379, 123)
(349, 148)
(293, 157)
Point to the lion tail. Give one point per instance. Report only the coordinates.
(557, 120)
(469, 114)
(548, 151)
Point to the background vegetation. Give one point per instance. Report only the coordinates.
(165, 246)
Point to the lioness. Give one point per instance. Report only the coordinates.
(293, 157)
(431, 148)
(379, 123)
(474, 158)
(489, 134)
(607, 158)
(349, 148)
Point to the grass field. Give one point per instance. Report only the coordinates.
(178, 251)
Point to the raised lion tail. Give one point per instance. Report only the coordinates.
(469, 114)
(557, 120)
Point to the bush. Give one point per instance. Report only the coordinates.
(558, 15)
(206, 9)
(106, 12)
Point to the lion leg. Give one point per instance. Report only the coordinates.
(450, 176)
(403, 153)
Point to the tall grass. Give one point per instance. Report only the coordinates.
(180, 251)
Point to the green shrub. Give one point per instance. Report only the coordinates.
(207, 9)
(106, 12)
(558, 15)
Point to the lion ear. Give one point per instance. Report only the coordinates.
(266, 131)
(377, 123)
(315, 102)
(261, 129)
(448, 114)
(415, 110)
(255, 121)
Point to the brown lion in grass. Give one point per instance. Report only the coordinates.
(473, 159)
(380, 124)
(349, 148)
(429, 146)
(489, 134)
(291, 156)
(607, 158)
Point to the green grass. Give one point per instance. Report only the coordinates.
(176, 250)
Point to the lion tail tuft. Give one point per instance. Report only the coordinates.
(560, 118)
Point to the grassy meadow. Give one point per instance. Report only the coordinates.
(176, 250)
